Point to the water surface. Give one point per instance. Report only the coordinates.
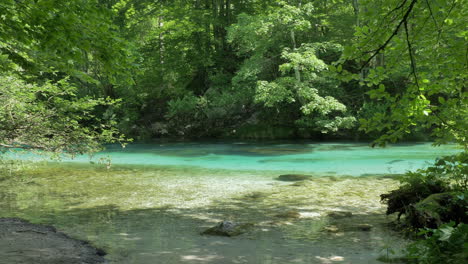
(152, 202)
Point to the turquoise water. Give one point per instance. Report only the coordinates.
(353, 159)
(152, 202)
(349, 159)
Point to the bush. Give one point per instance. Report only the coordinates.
(434, 201)
(446, 244)
(449, 174)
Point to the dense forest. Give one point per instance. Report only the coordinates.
(77, 74)
(243, 69)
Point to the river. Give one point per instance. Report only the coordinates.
(148, 203)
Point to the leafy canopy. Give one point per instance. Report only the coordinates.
(425, 43)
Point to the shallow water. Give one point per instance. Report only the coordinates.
(155, 199)
(353, 159)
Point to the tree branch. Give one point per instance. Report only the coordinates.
(414, 73)
(395, 32)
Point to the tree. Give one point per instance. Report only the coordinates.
(51, 39)
(51, 54)
(424, 42)
(286, 48)
(52, 118)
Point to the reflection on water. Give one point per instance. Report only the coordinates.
(148, 213)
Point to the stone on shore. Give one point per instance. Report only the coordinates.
(24, 242)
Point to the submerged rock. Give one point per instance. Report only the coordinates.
(339, 214)
(228, 228)
(294, 177)
(23, 242)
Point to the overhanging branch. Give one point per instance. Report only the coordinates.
(395, 32)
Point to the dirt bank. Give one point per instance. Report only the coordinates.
(23, 242)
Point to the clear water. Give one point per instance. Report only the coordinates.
(353, 159)
(152, 203)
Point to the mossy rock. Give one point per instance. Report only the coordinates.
(228, 229)
(294, 177)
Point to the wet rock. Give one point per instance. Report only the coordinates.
(339, 214)
(289, 215)
(23, 242)
(228, 228)
(294, 177)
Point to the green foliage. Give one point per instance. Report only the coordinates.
(209, 115)
(74, 38)
(446, 244)
(449, 171)
(424, 42)
(285, 70)
(60, 62)
(448, 174)
(453, 170)
(51, 117)
(229, 61)
(436, 200)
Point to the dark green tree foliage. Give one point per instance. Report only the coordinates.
(204, 64)
(284, 68)
(73, 38)
(51, 117)
(51, 53)
(184, 54)
(423, 43)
